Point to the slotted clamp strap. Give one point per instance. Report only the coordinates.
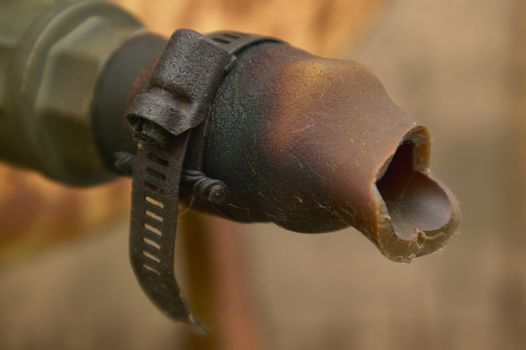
(163, 118)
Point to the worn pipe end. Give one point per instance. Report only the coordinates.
(316, 145)
(416, 214)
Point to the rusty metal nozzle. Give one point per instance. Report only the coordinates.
(315, 144)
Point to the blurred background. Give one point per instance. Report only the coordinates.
(459, 66)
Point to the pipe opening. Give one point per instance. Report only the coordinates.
(415, 203)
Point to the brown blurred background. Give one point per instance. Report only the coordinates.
(459, 66)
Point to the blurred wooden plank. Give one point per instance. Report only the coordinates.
(323, 27)
(36, 212)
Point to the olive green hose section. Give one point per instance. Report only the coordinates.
(52, 54)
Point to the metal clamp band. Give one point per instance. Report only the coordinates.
(163, 118)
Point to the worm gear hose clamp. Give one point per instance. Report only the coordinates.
(166, 118)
